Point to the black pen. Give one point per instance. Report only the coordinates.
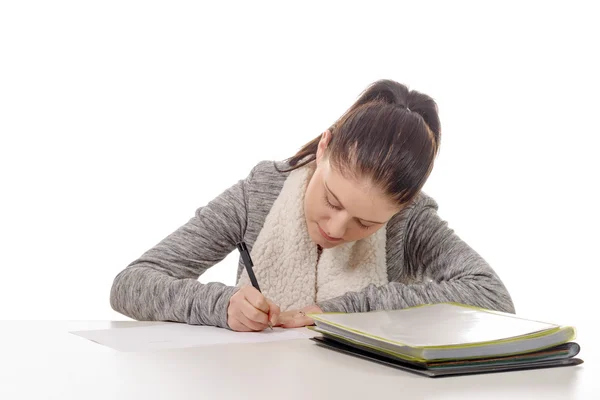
(241, 246)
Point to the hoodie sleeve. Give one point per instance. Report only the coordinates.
(162, 284)
(456, 273)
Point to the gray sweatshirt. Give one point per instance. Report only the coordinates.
(426, 261)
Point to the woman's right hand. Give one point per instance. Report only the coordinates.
(250, 311)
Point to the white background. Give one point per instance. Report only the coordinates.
(119, 118)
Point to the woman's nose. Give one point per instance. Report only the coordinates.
(336, 227)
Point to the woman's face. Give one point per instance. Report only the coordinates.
(340, 210)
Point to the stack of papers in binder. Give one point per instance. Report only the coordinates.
(448, 339)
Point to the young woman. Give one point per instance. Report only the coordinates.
(341, 226)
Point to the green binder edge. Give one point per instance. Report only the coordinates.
(422, 361)
(462, 346)
(402, 356)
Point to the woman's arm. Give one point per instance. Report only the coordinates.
(458, 274)
(162, 284)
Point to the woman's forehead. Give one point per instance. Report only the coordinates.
(359, 196)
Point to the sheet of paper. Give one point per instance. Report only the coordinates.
(175, 335)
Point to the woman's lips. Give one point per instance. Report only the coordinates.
(326, 236)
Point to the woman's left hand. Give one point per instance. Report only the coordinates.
(298, 318)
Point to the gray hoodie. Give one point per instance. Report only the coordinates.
(426, 261)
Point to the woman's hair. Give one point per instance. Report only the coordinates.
(390, 134)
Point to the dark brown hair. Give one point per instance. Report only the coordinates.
(390, 134)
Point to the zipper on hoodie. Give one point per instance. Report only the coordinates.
(319, 252)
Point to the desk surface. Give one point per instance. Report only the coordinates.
(41, 360)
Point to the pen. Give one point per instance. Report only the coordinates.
(241, 246)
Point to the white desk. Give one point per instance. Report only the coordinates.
(41, 360)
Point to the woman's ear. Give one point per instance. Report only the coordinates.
(322, 147)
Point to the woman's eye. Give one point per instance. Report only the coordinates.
(363, 226)
(330, 205)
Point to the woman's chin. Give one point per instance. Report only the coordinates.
(319, 240)
(329, 245)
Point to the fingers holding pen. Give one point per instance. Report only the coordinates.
(253, 294)
(248, 308)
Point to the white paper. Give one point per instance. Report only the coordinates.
(176, 335)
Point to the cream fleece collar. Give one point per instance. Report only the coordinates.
(285, 258)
